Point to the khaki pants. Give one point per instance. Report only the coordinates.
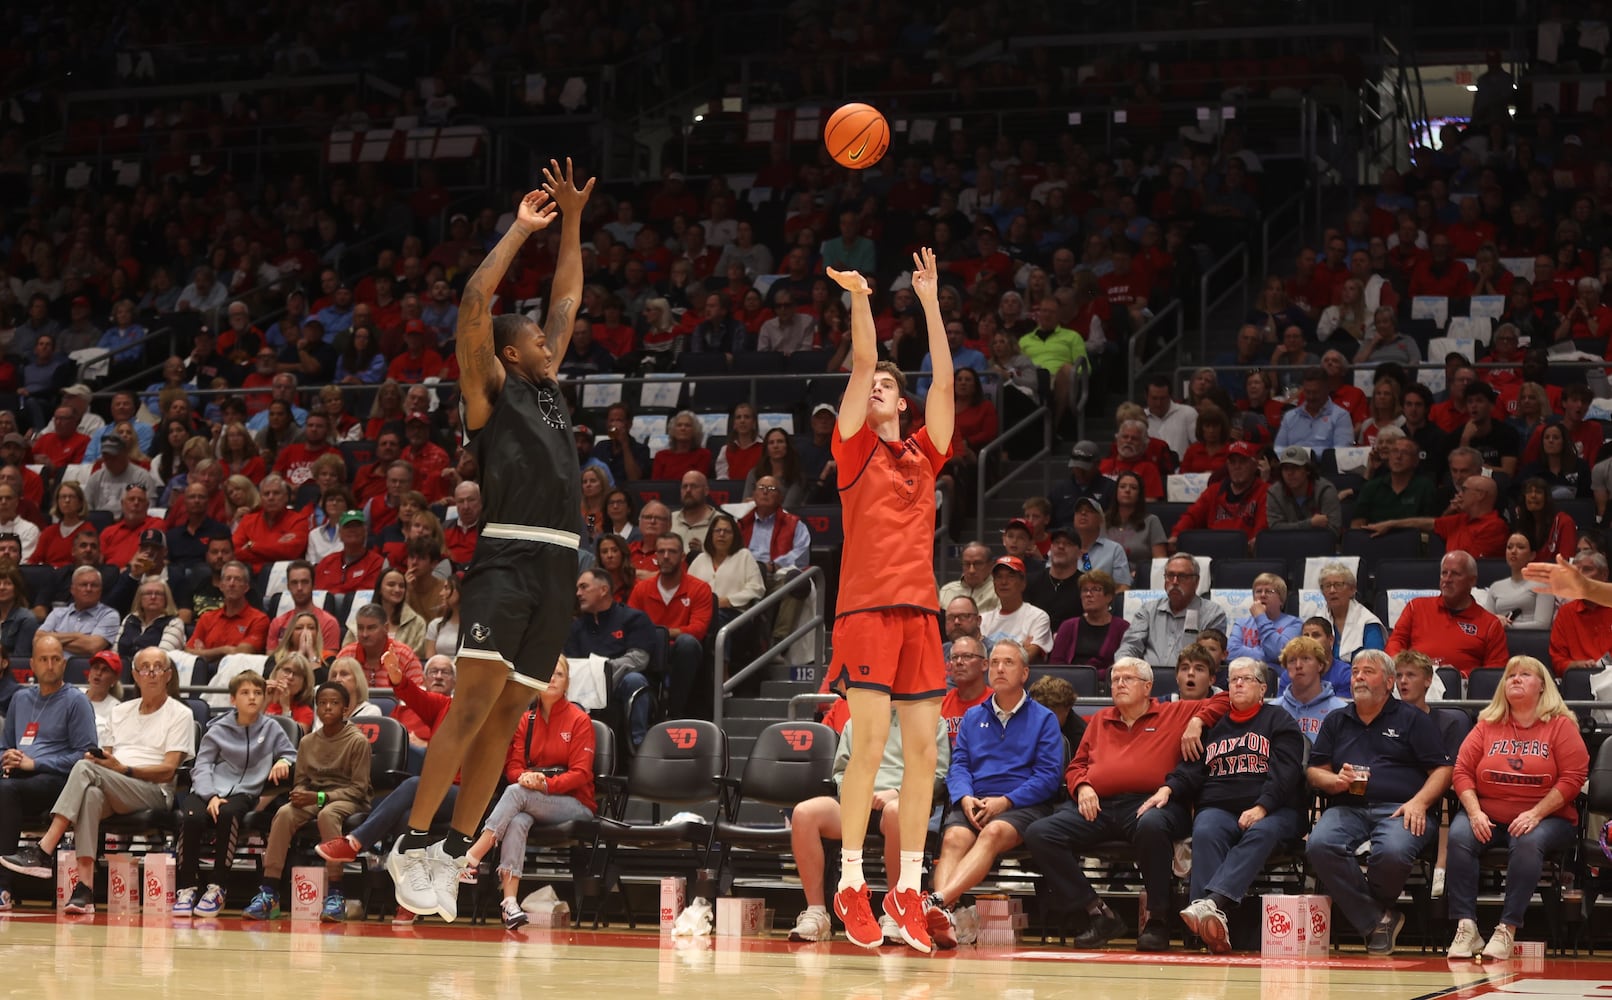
(93, 793)
(289, 819)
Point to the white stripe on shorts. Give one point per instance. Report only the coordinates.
(552, 536)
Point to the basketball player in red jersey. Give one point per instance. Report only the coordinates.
(886, 644)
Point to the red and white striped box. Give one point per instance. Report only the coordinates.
(739, 917)
(157, 894)
(673, 897)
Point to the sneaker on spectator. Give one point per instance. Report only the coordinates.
(1385, 935)
(812, 925)
(264, 906)
(5, 901)
(338, 849)
(185, 902)
(1208, 921)
(444, 875)
(1502, 943)
(335, 909)
(1468, 942)
(31, 861)
(513, 915)
(889, 930)
(907, 907)
(1438, 883)
(411, 879)
(211, 903)
(82, 901)
(942, 926)
(854, 907)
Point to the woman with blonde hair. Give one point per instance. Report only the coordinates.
(240, 499)
(290, 688)
(685, 451)
(347, 672)
(153, 621)
(1516, 775)
(1346, 319)
(237, 452)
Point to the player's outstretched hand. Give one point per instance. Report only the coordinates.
(1560, 579)
(561, 185)
(851, 281)
(536, 211)
(924, 282)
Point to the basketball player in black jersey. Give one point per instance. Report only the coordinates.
(518, 592)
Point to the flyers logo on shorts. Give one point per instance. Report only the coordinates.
(480, 632)
(683, 739)
(799, 740)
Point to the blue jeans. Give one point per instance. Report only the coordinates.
(638, 720)
(683, 660)
(390, 817)
(1365, 897)
(1524, 862)
(1055, 842)
(1225, 859)
(512, 818)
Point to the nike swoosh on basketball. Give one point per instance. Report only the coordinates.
(861, 149)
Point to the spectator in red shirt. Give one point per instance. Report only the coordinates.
(369, 628)
(273, 533)
(427, 457)
(355, 567)
(236, 627)
(1585, 436)
(122, 538)
(371, 479)
(1472, 526)
(419, 361)
(683, 605)
(684, 453)
(62, 445)
(1127, 287)
(1471, 231)
(1452, 626)
(654, 520)
(1578, 635)
(460, 537)
(1588, 319)
(295, 461)
(1236, 503)
(1441, 273)
(1131, 455)
(299, 577)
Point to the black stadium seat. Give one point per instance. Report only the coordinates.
(790, 763)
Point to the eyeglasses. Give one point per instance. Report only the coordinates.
(955, 657)
(1180, 576)
(1123, 679)
(150, 671)
(1334, 584)
(766, 489)
(1246, 680)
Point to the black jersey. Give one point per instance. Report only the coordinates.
(527, 455)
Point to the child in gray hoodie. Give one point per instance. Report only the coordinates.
(239, 756)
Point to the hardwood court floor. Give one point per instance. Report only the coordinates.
(47, 957)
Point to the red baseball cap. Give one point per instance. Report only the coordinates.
(420, 415)
(1013, 563)
(1244, 449)
(112, 661)
(1021, 524)
(414, 326)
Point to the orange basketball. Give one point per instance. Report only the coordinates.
(856, 136)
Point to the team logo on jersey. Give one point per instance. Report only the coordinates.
(1468, 628)
(549, 408)
(480, 632)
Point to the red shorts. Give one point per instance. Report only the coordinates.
(894, 650)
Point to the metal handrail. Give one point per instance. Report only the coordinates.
(1238, 252)
(1184, 371)
(1136, 368)
(1297, 199)
(811, 698)
(812, 575)
(1041, 415)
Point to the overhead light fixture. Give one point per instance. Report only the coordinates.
(1472, 88)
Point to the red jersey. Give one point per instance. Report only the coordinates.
(259, 541)
(220, 628)
(1450, 282)
(1586, 439)
(429, 461)
(954, 705)
(1579, 631)
(58, 452)
(564, 739)
(1144, 468)
(375, 673)
(295, 461)
(887, 491)
(369, 482)
(1465, 639)
(1116, 759)
(689, 610)
(120, 540)
(408, 369)
(461, 542)
(339, 577)
(1218, 509)
(55, 547)
(1512, 768)
(420, 711)
(1481, 538)
(669, 464)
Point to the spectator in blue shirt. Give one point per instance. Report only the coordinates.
(49, 728)
(338, 316)
(962, 356)
(1320, 423)
(123, 332)
(850, 250)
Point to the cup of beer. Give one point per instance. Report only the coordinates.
(1357, 784)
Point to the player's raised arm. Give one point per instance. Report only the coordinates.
(566, 293)
(864, 352)
(940, 406)
(480, 375)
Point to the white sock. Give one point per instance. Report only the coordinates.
(510, 899)
(823, 910)
(912, 871)
(851, 876)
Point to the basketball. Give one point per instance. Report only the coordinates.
(856, 136)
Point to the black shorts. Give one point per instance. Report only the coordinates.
(515, 606)
(1018, 817)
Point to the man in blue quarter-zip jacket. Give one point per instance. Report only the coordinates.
(1004, 775)
(48, 729)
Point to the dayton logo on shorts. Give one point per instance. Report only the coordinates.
(1468, 628)
(480, 632)
(798, 739)
(683, 739)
